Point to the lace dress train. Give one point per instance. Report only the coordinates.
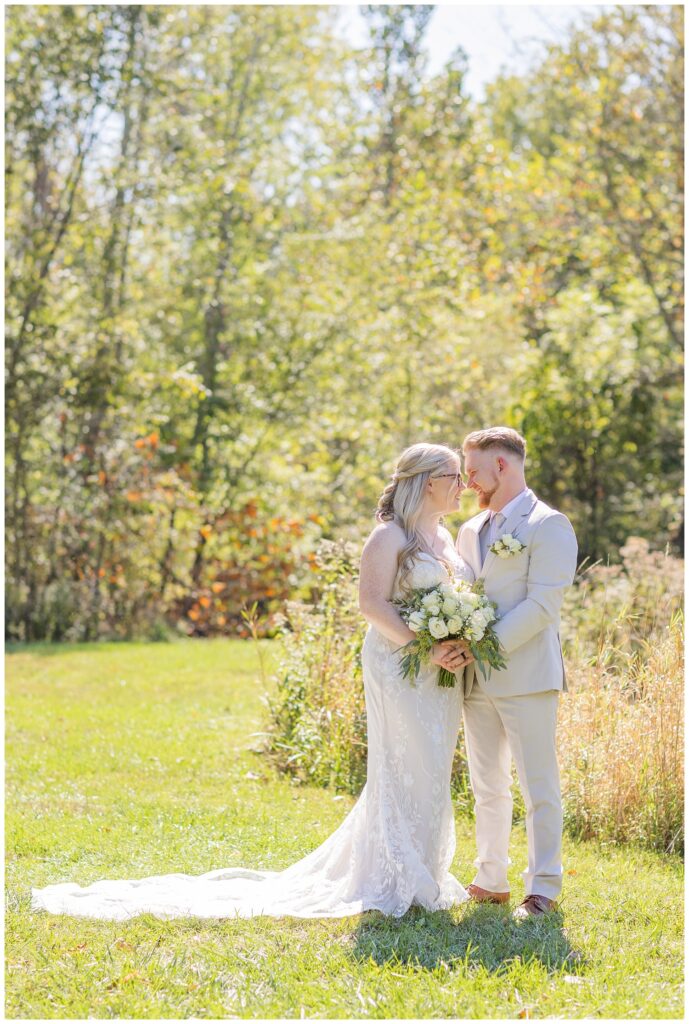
(394, 849)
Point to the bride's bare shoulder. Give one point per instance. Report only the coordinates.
(384, 537)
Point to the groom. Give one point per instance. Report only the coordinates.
(513, 713)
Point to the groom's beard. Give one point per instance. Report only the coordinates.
(484, 497)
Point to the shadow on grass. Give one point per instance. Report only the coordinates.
(476, 936)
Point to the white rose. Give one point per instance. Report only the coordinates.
(431, 602)
(417, 620)
(447, 590)
(473, 600)
(455, 624)
(450, 605)
(437, 628)
(503, 552)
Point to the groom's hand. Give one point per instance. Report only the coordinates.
(452, 655)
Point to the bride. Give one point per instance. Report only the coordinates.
(395, 847)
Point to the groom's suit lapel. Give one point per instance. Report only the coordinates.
(511, 525)
(476, 542)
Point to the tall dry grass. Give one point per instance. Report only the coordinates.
(621, 729)
(621, 724)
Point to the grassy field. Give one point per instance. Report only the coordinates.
(126, 760)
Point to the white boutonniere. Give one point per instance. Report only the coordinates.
(507, 546)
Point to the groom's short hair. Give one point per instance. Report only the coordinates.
(497, 437)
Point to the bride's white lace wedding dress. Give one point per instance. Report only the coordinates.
(393, 849)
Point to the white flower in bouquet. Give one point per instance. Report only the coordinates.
(477, 625)
(447, 590)
(438, 628)
(417, 621)
(455, 624)
(450, 605)
(431, 602)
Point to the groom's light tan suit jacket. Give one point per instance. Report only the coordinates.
(528, 589)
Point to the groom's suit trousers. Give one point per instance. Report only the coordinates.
(523, 727)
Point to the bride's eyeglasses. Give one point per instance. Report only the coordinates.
(455, 476)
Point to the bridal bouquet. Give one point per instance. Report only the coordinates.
(450, 611)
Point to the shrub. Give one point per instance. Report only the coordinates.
(253, 557)
(317, 728)
(613, 610)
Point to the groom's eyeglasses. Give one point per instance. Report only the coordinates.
(456, 476)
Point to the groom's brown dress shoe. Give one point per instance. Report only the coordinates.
(533, 906)
(480, 895)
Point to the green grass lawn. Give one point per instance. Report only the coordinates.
(126, 760)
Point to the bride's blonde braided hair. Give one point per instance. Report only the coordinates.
(402, 498)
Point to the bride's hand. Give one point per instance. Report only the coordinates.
(452, 655)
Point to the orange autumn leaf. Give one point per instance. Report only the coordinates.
(221, 620)
(206, 531)
(140, 442)
(102, 476)
(194, 614)
(205, 602)
(217, 588)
